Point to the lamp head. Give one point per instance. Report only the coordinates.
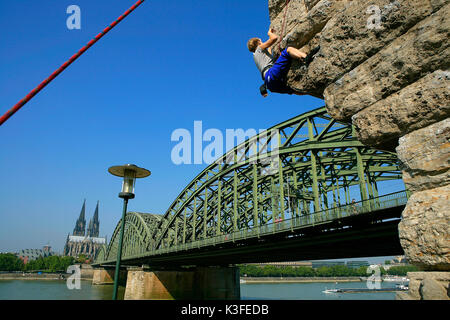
(129, 173)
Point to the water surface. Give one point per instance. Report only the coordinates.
(57, 290)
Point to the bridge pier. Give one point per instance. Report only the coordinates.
(103, 276)
(200, 283)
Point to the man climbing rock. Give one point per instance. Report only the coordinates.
(274, 71)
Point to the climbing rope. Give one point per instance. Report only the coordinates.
(44, 83)
(283, 26)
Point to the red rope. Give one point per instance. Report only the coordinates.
(283, 26)
(42, 85)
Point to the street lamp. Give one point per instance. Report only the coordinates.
(129, 173)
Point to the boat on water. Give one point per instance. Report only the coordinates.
(334, 290)
(402, 287)
(331, 291)
(395, 279)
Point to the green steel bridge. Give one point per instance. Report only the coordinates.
(285, 194)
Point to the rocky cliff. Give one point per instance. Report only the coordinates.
(384, 66)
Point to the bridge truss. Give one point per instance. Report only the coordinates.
(302, 172)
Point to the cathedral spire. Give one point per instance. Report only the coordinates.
(94, 224)
(80, 226)
(82, 213)
(96, 214)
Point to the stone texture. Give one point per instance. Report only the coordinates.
(295, 13)
(426, 286)
(346, 41)
(302, 29)
(432, 290)
(391, 82)
(416, 106)
(425, 156)
(276, 7)
(106, 276)
(202, 283)
(423, 49)
(159, 285)
(424, 229)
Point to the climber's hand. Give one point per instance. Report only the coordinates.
(271, 33)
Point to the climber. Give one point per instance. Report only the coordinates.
(273, 71)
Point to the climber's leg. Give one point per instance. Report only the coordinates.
(311, 55)
(280, 67)
(295, 53)
(276, 76)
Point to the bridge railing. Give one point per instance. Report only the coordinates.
(317, 218)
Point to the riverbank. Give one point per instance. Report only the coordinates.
(33, 276)
(87, 273)
(252, 280)
(63, 276)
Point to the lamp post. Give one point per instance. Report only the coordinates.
(129, 173)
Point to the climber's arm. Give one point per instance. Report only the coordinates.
(273, 38)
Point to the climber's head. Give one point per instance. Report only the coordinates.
(253, 43)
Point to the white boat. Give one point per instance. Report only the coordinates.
(401, 287)
(331, 290)
(395, 279)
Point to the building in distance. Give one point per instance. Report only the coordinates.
(27, 255)
(82, 242)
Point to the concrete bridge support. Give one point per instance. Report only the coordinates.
(200, 283)
(106, 276)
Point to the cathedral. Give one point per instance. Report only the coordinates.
(82, 242)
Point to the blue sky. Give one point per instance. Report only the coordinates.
(166, 65)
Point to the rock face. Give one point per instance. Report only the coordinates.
(427, 244)
(425, 157)
(416, 106)
(384, 65)
(427, 286)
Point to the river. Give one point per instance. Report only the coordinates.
(57, 290)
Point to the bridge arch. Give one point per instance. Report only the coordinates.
(139, 228)
(299, 171)
(303, 165)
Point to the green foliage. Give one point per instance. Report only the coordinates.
(10, 262)
(49, 264)
(401, 270)
(274, 271)
(361, 271)
(81, 258)
(332, 271)
(387, 262)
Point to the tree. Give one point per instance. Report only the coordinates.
(10, 262)
(323, 272)
(81, 258)
(360, 272)
(304, 272)
(401, 270)
(65, 262)
(49, 264)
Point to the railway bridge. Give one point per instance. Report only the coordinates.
(305, 189)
